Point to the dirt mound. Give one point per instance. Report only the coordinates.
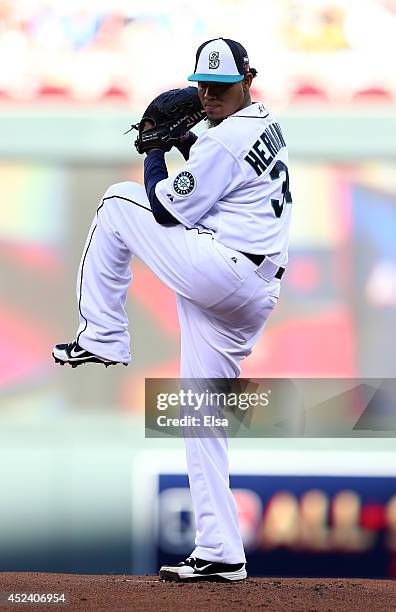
(108, 593)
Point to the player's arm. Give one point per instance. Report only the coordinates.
(155, 170)
(166, 122)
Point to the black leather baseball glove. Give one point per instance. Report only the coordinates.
(172, 114)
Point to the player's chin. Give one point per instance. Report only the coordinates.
(214, 112)
(215, 117)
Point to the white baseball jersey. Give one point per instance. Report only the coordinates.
(236, 177)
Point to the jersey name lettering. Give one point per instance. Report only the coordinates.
(264, 150)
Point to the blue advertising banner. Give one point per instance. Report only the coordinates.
(295, 525)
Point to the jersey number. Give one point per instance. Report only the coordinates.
(275, 174)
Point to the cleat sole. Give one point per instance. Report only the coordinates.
(75, 364)
(167, 576)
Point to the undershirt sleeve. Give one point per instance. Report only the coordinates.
(154, 171)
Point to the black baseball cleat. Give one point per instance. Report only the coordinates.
(75, 355)
(196, 570)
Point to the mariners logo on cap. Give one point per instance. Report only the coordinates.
(214, 60)
(184, 183)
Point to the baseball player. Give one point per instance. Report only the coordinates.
(216, 232)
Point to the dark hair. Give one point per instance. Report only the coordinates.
(253, 72)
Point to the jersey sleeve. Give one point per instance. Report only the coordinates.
(210, 172)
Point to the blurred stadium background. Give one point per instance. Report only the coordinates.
(82, 490)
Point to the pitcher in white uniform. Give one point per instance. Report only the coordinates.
(216, 232)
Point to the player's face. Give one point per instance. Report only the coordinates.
(220, 100)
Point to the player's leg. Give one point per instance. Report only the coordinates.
(124, 226)
(207, 353)
(213, 344)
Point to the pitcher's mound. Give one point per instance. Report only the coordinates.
(97, 593)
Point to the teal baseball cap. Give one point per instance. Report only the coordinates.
(220, 60)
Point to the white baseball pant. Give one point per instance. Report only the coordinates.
(222, 306)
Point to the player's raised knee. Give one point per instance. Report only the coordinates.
(125, 191)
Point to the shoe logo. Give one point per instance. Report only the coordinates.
(202, 568)
(74, 353)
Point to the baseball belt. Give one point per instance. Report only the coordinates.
(258, 260)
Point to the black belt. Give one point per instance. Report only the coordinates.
(258, 259)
